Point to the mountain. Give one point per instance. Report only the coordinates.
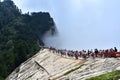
(46, 65)
(20, 35)
(43, 66)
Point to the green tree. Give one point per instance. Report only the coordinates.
(19, 35)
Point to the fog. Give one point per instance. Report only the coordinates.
(81, 24)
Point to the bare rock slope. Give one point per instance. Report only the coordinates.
(93, 68)
(43, 66)
(46, 65)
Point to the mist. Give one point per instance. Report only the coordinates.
(81, 24)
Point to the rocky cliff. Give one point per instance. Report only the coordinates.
(46, 65)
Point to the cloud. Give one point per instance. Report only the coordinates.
(82, 24)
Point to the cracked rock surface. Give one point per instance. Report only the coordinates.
(42, 66)
(47, 65)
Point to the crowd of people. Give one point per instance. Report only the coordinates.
(86, 54)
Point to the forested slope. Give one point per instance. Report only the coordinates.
(19, 35)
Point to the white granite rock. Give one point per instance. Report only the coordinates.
(46, 65)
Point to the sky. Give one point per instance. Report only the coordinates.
(81, 24)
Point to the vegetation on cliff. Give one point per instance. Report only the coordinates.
(114, 75)
(20, 35)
